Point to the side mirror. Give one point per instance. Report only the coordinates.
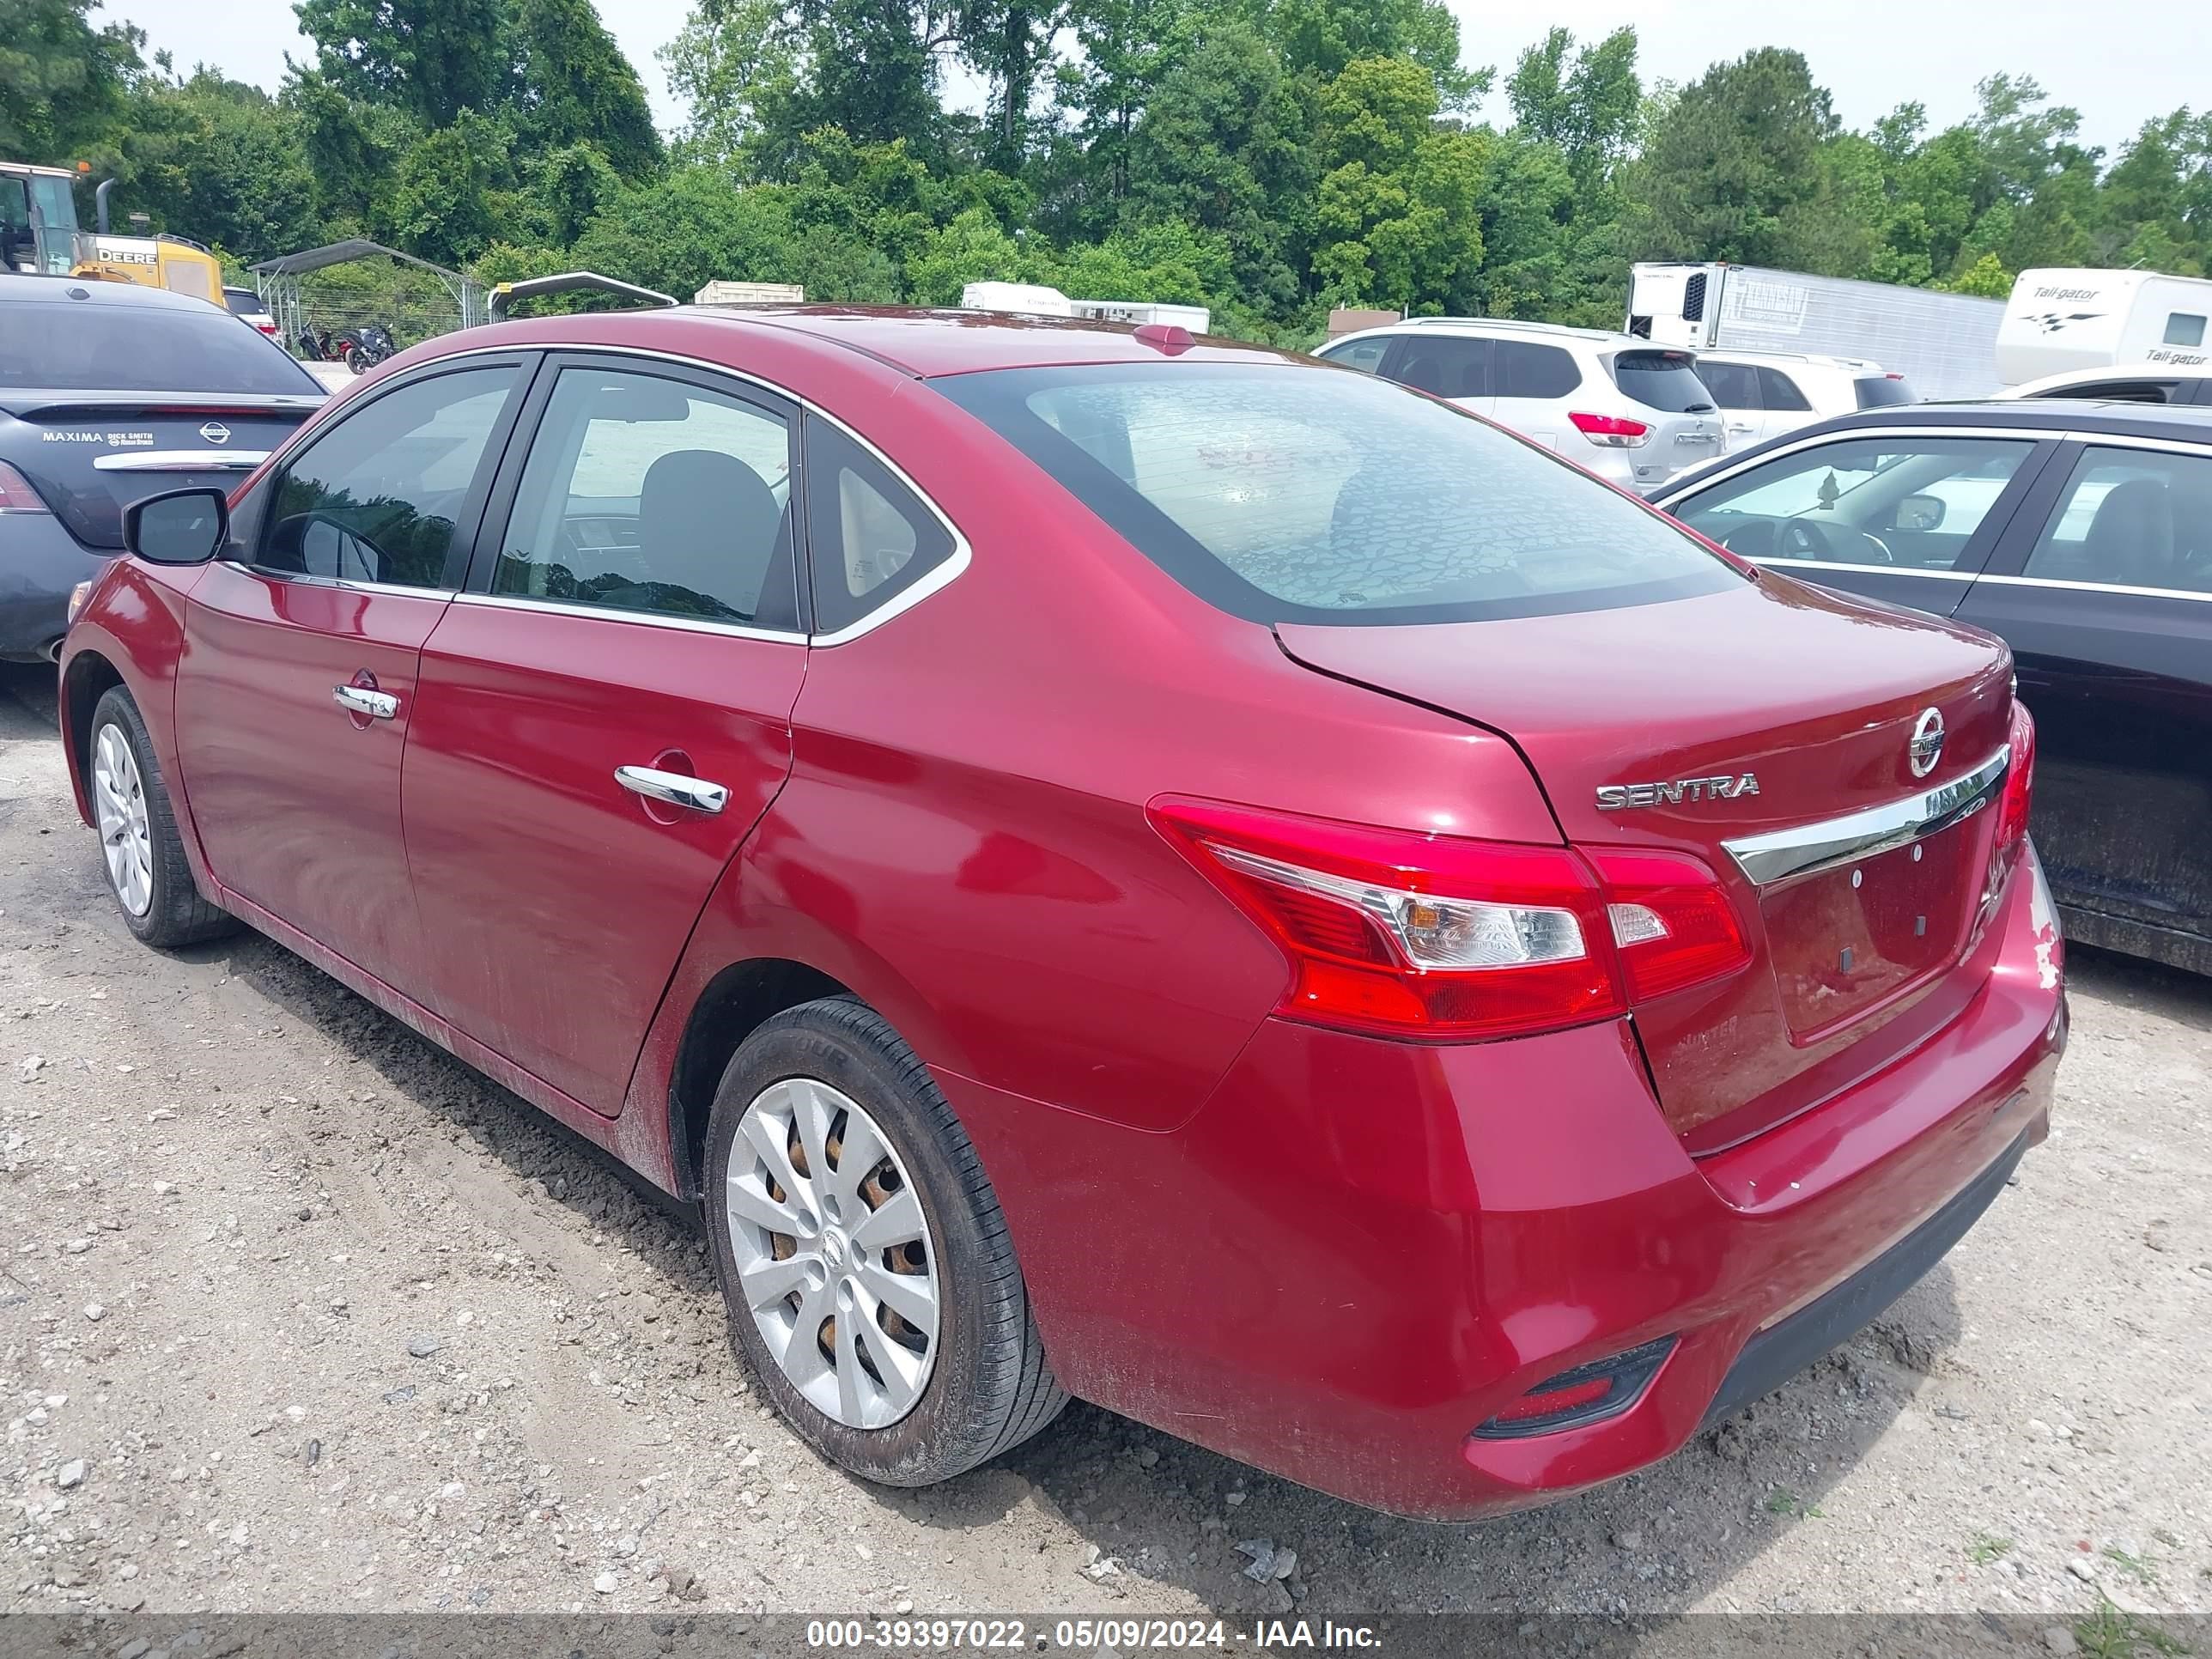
(185, 526)
(1920, 512)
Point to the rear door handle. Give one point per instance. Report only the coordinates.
(674, 788)
(360, 700)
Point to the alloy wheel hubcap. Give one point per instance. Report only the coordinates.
(118, 804)
(835, 1262)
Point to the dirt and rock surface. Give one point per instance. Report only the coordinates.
(297, 1312)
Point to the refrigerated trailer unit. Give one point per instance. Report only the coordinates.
(1944, 344)
(2058, 319)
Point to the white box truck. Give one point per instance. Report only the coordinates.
(1944, 344)
(2059, 319)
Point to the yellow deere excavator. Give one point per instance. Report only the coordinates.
(38, 234)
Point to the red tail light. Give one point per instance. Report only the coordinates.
(2020, 780)
(1672, 924)
(1403, 934)
(16, 494)
(1610, 431)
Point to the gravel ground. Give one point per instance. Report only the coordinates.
(296, 1312)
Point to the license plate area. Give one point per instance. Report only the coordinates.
(1848, 940)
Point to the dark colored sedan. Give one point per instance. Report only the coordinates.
(109, 392)
(2081, 534)
(1114, 865)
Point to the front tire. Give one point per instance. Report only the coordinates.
(143, 856)
(870, 1283)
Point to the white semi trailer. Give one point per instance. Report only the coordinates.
(1944, 344)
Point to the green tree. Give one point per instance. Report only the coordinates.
(735, 65)
(1588, 107)
(440, 206)
(1322, 38)
(62, 81)
(433, 59)
(575, 86)
(1223, 147)
(1397, 207)
(1733, 169)
(1986, 277)
(220, 162)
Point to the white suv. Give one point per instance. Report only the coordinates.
(1765, 394)
(1632, 412)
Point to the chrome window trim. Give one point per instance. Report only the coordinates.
(342, 584)
(2132, 441)
(1854, 434)
(1807, 848)
(610, 613)
(181, 460)
(2065, 585)
(1783, 566)
(942, 577)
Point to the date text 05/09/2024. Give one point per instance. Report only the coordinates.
(954, 1635)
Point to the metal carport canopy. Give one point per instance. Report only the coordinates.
(278, 280)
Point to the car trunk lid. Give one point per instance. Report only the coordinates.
(1726, 726)
(88, 454)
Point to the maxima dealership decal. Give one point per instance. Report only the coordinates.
(113, 440)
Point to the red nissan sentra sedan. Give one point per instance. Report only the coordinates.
(1113, 865)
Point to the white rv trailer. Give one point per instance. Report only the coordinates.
(1944, 344)
(1036, 300)
(2059, 319)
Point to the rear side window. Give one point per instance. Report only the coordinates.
(869, 539)
(2184, 328)
(1881, 391)
(91, 347)
(2132, 518)
(1665, 380)
(1365, 355)
(648, 494)
(1734, 385)
(377, 496)
(1445, 367)
(1777, 389)
(1528, 370)
(1282, 495)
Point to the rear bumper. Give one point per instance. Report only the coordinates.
(39, 562)
(1358, 1251)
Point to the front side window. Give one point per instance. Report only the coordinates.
(868, 539)
(1282, 495)
(379, 496)
(1365, 355)
(2132, 518)
(1445, 367)
(2184, 328)
(654, 495)
(1915, 502)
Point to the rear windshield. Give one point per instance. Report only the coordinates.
(1665, 380)
(78, 347)
(1283, 493)
(1881, 391)
(242, 302)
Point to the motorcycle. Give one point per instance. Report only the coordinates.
(314, 345)
(363, 349)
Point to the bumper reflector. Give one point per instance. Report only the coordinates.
(1588, 1394)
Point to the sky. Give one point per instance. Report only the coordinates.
(2118, 62)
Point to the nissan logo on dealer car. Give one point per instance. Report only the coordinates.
(215, 433)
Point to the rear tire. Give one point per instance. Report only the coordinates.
(143, 854)
(985, 1384)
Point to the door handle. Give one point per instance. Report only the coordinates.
(674, 788)
(360, 700)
